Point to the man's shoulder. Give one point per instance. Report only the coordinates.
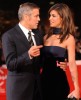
(10, 31)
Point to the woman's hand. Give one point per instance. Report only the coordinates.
(62, 65)
(75, 93)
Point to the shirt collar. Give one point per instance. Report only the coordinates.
(25, 30)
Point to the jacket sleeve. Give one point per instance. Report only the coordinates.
(13, 61)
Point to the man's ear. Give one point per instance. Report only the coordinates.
(25, 16)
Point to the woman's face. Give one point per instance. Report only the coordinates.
(55, 19)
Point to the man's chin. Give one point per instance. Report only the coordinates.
(35, 27)
(51, 26)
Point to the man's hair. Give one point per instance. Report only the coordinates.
(26, 8)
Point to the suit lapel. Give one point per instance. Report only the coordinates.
(21, 36)
(36, 37)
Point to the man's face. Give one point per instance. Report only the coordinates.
(33, 19)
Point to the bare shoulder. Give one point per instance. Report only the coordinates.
(71, 41)
(70, 38)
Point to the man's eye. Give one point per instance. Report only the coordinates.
(53, 15)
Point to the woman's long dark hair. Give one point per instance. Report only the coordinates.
(68, 26)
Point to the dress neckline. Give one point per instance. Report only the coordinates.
(55, 46)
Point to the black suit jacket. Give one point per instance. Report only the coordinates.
(23, 73)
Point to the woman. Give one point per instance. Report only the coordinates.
(58, 41)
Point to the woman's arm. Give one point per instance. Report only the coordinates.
(72, 66)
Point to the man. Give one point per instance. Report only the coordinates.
(22, 59)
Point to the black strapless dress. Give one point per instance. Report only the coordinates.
(54, 79)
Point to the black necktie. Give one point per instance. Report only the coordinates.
(30, 38)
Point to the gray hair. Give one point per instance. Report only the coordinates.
(26, 8)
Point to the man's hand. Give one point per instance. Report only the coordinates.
(62, 65)
(34, 51)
